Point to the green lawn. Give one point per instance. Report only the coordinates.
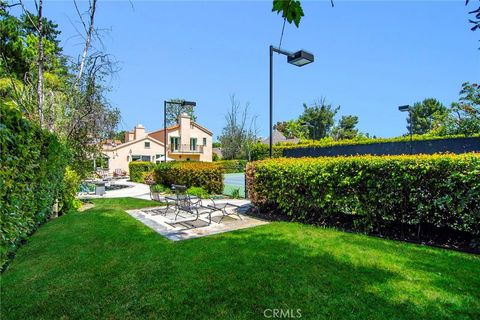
(101, 263)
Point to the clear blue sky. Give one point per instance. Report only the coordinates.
(370, 57)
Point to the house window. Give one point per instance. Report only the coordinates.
(204, 141)
(141, 158)
(157, 156)
(147, 145)
(193, 144)
(174, 143)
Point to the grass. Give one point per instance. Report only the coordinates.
(101, 263)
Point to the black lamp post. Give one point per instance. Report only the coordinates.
(408, 108)
(299, 59)
(181, 103)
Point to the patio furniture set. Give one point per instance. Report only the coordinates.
(181, 201)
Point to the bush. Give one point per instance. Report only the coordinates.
(159, 188)
(139, 169)
(232, 166)
(260, 151)
(192, 174)
(198, 191)
(441, 191)
(33, 163)
(71, 181)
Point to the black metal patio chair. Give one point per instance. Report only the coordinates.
(190, 204)
(222, 207)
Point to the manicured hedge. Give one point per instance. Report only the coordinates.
(376, 191)
(232, 166)
(32, 167)
(260, 151)
(138, 169)
(206, 175)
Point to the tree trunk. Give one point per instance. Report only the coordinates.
(88, 38)
(40, 64)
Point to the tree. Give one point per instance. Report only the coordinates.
(236, 138)
(425, 114)
(463, 117)
(292, 129)
(175, 109)
(320, 116)
(291, 10)
(74, 108)
(346, 128)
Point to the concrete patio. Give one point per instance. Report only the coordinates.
(185, 227)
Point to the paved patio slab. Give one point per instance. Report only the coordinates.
(185, 227)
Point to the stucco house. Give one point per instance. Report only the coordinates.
(186, 141)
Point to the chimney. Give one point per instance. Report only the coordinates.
(128, 136)
(139, 132)
(185, 123)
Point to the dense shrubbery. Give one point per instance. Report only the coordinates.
(440, 191)
(261, 151)
(232, 166)
(33, 163)
(139, 169)
(197, 174)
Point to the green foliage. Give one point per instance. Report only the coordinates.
(232, 166)
(160, 188)
(68, 198)
(292, 129)
(320, 116)
(425, 115)
(215, 157)
(175, 109)
(197, 174)
(378, 192)
(138, 169)
(198, 191)
(346, 128)
(33, 163)
(260, 151)
(291, 10)
(235, 193)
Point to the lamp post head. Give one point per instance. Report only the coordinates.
(300, 58)
(189, 103)
(405, 108)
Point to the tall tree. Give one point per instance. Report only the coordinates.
(237, 136)
(346, 128)
(463, 117)
(424, 115)
(320, 115)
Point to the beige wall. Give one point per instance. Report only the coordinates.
(118, 156)
(186, 130)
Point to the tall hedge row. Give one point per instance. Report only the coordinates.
(138, 169)
(377, 191)
(206, 175)
(33, 163)
(260, 151)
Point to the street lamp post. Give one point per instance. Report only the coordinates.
(181, 103)
(299, 59)
(408, 108)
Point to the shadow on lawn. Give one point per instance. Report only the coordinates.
(129, 271)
